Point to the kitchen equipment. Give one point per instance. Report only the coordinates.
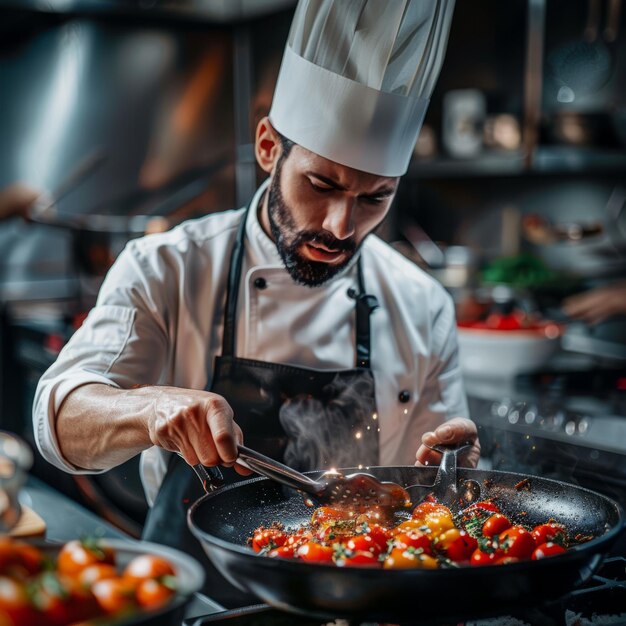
(360, 491)
(30, 524)
(15, 461)
(223, 520)
(97, 238)
(189, 579)
(503, 353)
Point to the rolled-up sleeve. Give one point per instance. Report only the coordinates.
(121, 339)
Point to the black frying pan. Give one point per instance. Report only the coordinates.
(224, 519)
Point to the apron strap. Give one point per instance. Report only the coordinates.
(365, 303)
(232, 293)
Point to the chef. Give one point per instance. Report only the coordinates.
(286, 324)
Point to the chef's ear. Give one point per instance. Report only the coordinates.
(267, 147)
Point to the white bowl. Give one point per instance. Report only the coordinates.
(503, 353)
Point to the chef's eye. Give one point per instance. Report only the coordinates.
(320, 188)
(372, 199)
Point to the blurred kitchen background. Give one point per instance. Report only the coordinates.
(133, 115)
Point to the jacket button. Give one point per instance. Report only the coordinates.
(260, 283)
(404, 396)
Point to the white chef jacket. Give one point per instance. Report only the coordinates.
(159, 315)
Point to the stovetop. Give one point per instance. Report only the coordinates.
(601, 602)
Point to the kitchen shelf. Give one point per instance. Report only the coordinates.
(570, 159)
(484, 164)
(546, 160)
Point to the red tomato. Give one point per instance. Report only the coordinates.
(360, 558)
(284, 552)
(14, 604)
(76, 555)
(426, 509)
(551, 532)
(516, 541)
(19, 559)
(61, 599)
(335, 532)
(496, 524)
(483, 558)
(153, 594)
(94, 573)
(148, 566)
(268, 538)
(378, 534)
(481, 507)
(503, 560)
(414, 539)
(461, 547)
(500, 321)
(115, 595)
(324, 514)
(547, 549)
(315, 552)
(402, 558)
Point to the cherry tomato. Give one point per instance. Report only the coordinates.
(335, 531)
(415, 539)
(378, 534)
(457, 545)
(61, 599)
(516, 541)
(153, 594)
(406, 558)
(482, 506)
(547, 549)
(551, 532)
(500, 321)
(315, 552)
(284, 552)
(496, 524)
(325, 514)
(115, 595)
(483, 558)
(148, 566)
(503, 560)
(94, 573)
(360, 558)
(76, 555)
(20, 559)
(410, 524)
(14, 603)
(426, 509)
(265, 538)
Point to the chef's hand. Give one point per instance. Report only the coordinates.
(198, 424)
(596, 305)
(454, 431)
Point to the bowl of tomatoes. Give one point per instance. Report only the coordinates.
(94, 581)
(503, 345)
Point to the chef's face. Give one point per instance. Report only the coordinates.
(319, 212)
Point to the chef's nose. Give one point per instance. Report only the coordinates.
(339, 220)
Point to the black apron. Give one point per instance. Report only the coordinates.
(306, 418)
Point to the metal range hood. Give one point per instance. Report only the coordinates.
(217, 11)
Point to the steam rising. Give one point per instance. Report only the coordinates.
(344, 433)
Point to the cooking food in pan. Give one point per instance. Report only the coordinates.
(431, 538)
(83, 580)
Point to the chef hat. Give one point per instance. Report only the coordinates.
(356, 78)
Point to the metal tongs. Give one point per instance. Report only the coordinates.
(360, 491)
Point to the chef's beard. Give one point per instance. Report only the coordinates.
(288, 240)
